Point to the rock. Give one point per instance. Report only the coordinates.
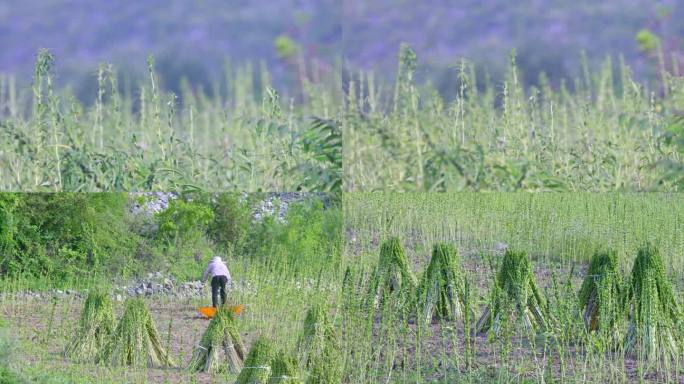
(118, 297)
(168, 284)
(500, 247)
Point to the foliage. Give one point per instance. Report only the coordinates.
(648, 41)
(323, 142)
(63, 235)
(285, 46)
(308, 239)
(232, 219)
(186, 220)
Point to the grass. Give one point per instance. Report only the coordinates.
(240, 136)
(601, 131)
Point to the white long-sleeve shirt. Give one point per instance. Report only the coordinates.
(216, 268)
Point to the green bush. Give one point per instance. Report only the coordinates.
(184, 221)
(297, 243)
(63, 235)
(232, 218)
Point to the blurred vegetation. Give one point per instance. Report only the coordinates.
(604, 131)
(239, 135)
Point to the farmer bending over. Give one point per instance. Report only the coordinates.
(219, 278)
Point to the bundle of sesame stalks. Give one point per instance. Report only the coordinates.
(442, 287)
(601, 295)
(257, 368)
(135, 340)
(285, 369)
(655, 329)
(94, 327)
(393, 277)
(514, 295)
(319, 347)
(220, 334)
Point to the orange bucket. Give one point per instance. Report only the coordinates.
(209, 312)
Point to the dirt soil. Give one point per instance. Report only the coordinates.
(180, 327)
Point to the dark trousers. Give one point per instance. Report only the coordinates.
(218, 283)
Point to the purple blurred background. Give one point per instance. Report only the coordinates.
(548, 35)
(193, 38)
(189, 38)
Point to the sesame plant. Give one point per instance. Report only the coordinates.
(243, 136)
(514, 296)
(393, 280)
(655, 317)
(602, 292)
(257, 369)
(221, 334)
(442, 287)
(600, 131)
(135, 340)
(95, 327)
(319, 347)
